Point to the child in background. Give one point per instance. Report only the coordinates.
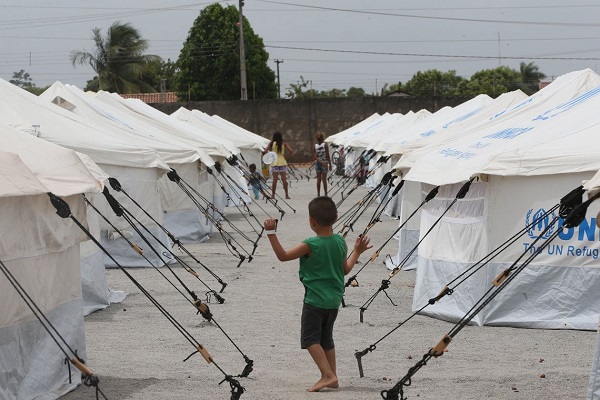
(323, 265)
(254, 181)
(322, 162)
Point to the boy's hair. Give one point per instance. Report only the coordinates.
(320, 137)
(252, 167)
(323, 210)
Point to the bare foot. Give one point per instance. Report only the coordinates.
(324, 382)
(288, 197)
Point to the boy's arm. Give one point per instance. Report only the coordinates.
(361, 245)
(283, 255)
(287, 255)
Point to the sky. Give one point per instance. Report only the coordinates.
(330, 43)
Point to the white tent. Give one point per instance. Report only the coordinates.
(352, 131)
(411, 128)
(526, 161)
(178, 213)
(218, 148)
(413, 143)
(250, 144)
(593, 187)
(41, 250)
(27, 113)
(135, 165)
(340, 139)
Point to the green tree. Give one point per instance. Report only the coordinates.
(209, 62)
(23, 80)
(159, 71)
(332, 93)
(356, 92)
(433, 82)
(119, 60)
(530, 77)
(493, 81)
(299, 90)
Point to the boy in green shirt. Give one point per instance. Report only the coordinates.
(323, 265)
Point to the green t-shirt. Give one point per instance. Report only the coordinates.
(322, 273)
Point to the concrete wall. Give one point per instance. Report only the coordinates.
(300, 120)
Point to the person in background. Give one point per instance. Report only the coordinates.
(322, 162)
(323, 265)
(254, 181)
(279, 166)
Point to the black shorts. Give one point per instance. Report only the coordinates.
(316, 327)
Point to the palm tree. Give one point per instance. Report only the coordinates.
(530, 77)
(118, 59)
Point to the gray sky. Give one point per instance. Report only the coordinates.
(332, 43)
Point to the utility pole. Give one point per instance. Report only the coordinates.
(499, 54)
(163, 89)
(278, 82)
(244, 89)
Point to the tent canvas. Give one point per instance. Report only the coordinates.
(28, 114)
(42, 253)
(218, 148)
(177, 212)
(592, 186)
(526, 163)
(250, 145)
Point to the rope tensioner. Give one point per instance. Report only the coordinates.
(64, 211)
(87, 375)
(575, 215)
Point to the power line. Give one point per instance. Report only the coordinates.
(572, 24)
(433, 55)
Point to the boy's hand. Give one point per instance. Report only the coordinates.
(270, 224)
(362, 244)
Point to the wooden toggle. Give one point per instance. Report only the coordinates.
(442, 293)
(203, 308)
(440, 348)
(374, 256)
(501, 278)
(80, 366)
(204, 353)
(137, 249)
(394, 272)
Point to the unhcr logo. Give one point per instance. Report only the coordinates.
(542, 221)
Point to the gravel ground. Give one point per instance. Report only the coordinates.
(138, 354)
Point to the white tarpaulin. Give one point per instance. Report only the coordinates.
(250, 145)
(176, 212)
(41, 250)
(592, 186)
(28, 114)
(527, 160)
(409, 136)
(218, 148)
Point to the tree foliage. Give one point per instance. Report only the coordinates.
(493, 81)
(159, 71)
(23, 80)
(356, 92)
(209, 62)
(434, 83)
(300, 90)
(530, 77)
(488, 81)
(119, 60)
